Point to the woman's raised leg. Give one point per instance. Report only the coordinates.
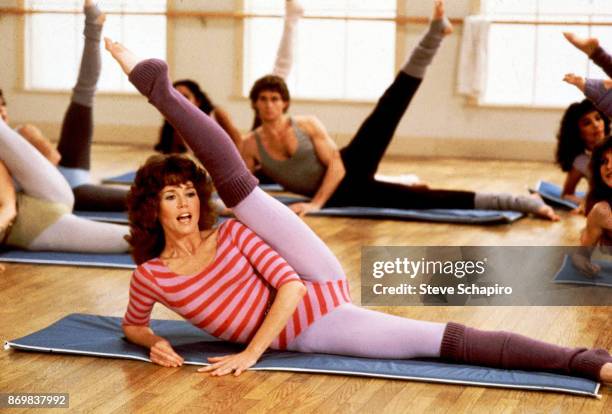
(75, 234)
(77, 127)
(284, 54)
(34, 173)
(590, 46)
(237, 187)
(363, 154)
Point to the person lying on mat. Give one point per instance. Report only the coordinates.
(582, 127)
(598, 230)
(266, 280)
(298, 153)
(73, 152)
(36, 200)
(39, 215)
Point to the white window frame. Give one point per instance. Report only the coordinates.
(589, 69)
(110, 68)
(242, 87)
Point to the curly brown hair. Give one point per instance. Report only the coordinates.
(569, 142)
(146, 233)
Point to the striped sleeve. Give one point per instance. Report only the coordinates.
(142, 299)
(266, 261)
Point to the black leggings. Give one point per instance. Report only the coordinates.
(75, 149)
(363, 154)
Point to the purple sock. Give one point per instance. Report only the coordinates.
(207, 139)
(512, 351)
(603, 60)
(595, 90)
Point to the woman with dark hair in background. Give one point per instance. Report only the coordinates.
(598, 230)
(582, 127)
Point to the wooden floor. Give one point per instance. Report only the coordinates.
(34, 296)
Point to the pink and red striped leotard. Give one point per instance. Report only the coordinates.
(231, 296)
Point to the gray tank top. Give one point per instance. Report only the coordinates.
(302, 173)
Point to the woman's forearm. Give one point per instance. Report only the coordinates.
(141, 335)
(287, 298)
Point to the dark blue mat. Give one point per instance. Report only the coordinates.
(128, 179)
(551, 193)
(118, 217)
(569, 274)
(121, 261)
(102, 336)
(436, 215)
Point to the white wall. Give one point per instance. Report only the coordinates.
(439, 122)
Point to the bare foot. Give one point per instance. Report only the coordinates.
(607, 83)
(545, 211)
(606, 373)
(101, 19)
(577, 81)
(123, 56)
(293, 9)
(439, 14)
(586, 44)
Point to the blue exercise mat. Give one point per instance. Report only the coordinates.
(121, 261)
(569, 274)
(102, 336)
(551, 193)
(117, 217)
(436, 215)
(128, 179)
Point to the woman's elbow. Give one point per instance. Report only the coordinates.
(298, 288)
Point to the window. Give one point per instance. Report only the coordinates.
(333, 59)
(526, 62)
(54, 41)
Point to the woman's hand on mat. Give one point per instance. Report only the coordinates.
(236, 363)
(163, 354)
(584, 265)
(301, 209)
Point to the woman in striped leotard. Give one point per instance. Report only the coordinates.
(266, 280)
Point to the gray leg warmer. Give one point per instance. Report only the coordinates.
(423, 54)
(91, 61)
(506, 201)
